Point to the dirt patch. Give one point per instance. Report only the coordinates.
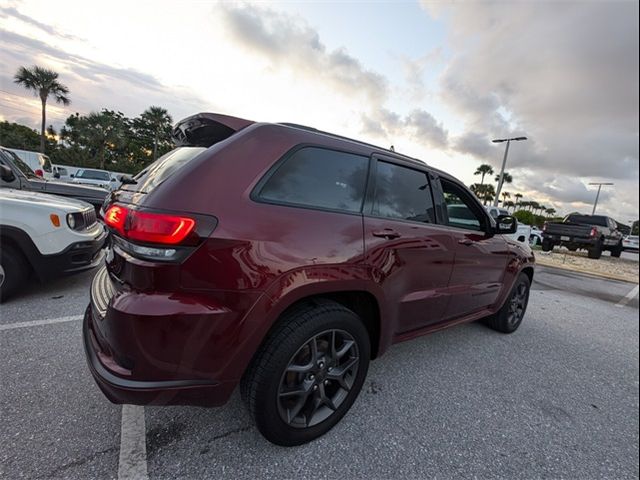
(625, 269)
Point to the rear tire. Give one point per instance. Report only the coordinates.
(295, 395)
(595, 252)
(14, 271)
(547, 245)
(509, 317)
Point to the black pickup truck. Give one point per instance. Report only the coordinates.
(594, 233)
(18, 175)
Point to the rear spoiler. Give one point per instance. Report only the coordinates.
(206, 129)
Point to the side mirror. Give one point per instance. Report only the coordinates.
(6, 174)
(72, 175)
(506, 225)
(56, 175)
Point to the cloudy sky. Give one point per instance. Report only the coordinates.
(436, 80)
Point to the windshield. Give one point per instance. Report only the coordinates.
(164, 167)
(23, 167)
(93, 175)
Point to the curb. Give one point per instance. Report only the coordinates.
(606, 276)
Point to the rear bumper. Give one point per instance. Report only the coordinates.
(557, 239)
(122, 390)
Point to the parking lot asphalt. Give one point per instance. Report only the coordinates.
(557, 399)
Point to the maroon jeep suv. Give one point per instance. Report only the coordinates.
(283, 258)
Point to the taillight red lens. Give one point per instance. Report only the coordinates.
(159, 228)
(149, 227)
(544, 227)
(594, 232)
(39, 172)
(115, 217)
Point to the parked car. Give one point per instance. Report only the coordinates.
(535, 238)
(45, 235)
(630, 242)
(283, 259)
(38, 162)
(594, 233)
(90, 176)
(61, 173)
(524, 231)
(17, 175)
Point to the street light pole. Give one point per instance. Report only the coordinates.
(595, 205)
(504, 164)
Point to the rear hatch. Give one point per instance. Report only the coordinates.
(147, 245)
(568, 230)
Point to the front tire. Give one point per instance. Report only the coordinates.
(617, 251)
(308, 373)
(14, 271)
(547, 245)
(509, 317)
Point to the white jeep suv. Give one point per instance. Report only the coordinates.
(45, 235)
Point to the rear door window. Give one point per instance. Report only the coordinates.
(319, 178)
(402, 193)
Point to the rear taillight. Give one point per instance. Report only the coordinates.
(544, 227)
(149, 227)
(594, 232)
(39, 172)
(159, 228)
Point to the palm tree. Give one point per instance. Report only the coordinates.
(44, 84)
(550, 212)
(505, 195)
(509, 205)
(483, 170)
(518, 197)
(507, 178)
(158, 118)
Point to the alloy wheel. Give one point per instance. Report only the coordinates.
(318, 378)
(518, 304)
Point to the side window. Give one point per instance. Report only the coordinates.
(461, 209)
(403, 193)
(317, 177)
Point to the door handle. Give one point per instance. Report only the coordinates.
(386, 233)
(466, 241)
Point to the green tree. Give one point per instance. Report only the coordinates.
(99, 138)
(484, 170)
(14, 135)
(44, 83)
(550, 212)
(152, 130)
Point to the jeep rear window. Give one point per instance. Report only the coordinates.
(320, 178)
(163, 168)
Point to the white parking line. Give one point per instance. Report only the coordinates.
(35, 323)
(630, 296)
(132, 464)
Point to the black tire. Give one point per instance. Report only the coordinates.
(547, 245)
(573, 249)
(509, 317)
(14, 271)
(617, 251)
(271, 368)
(595, 251)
